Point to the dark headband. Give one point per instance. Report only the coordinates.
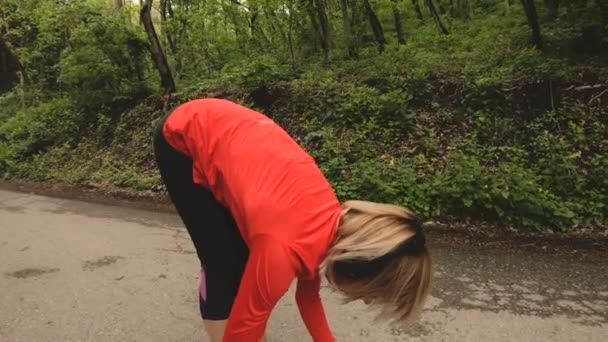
(414, 246)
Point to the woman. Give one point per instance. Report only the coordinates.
(260, 214)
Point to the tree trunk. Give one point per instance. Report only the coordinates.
(118, 4)
(552, 8)
(324, 28)
(165, 5)
(158, 56)
(440, 7)
(21, 75)
(398, 22)
(230, 14)
(256, 29)
(9, 68)
(532, 16)
(417, 9)
(348, 32)
(290, 33)
(253, 22)
(375, 25)
(603, 6)
(436, 17)
(464, 9)
(275, 24)
(453, 9)
(165, 11)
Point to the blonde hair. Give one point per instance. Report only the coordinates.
(387, 242)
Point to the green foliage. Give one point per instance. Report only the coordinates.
(57, 164)
(455, 161)
(475, 124)
(124, 174)
(260, 71)
(31, 130)
(324, 95)
(96, 63)
(81, 49)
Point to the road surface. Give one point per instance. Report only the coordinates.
(75, 271)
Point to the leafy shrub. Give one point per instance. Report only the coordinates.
(475, 124)
(33, 129)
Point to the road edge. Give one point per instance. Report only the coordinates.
(443, 232)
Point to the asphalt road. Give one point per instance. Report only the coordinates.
(75, 271)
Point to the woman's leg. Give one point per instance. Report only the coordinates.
(218, 243)
(215, 330)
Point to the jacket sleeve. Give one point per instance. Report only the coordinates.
(267, 277)
(311, 310)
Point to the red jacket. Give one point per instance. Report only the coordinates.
(284, 207)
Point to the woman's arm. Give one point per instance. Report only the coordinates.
(311, 309)
(267, 277)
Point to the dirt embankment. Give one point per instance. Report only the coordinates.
(447, 231)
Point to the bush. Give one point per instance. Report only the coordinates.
(476, 124)
(31, 130)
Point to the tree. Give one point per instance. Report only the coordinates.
(119, 4)
(254, 22)
(232, 11)
(165, 12)
(375, 25)
(508, 4)
(348, 32)
(603, 6)
(274, 21)
(436, 17)
(417, 9)
(398, 21)
(440, 6)
(552, 8)
(158, 56)
(290, 25)
(9, 67)
(464, 9)
(532, 16)
(324, 32)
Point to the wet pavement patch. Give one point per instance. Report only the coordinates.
(179, 250)
(12, 208)
(92, 265)
(116, 213)
(413, 329)
(31, 272)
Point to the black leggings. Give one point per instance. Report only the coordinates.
(218, 243)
